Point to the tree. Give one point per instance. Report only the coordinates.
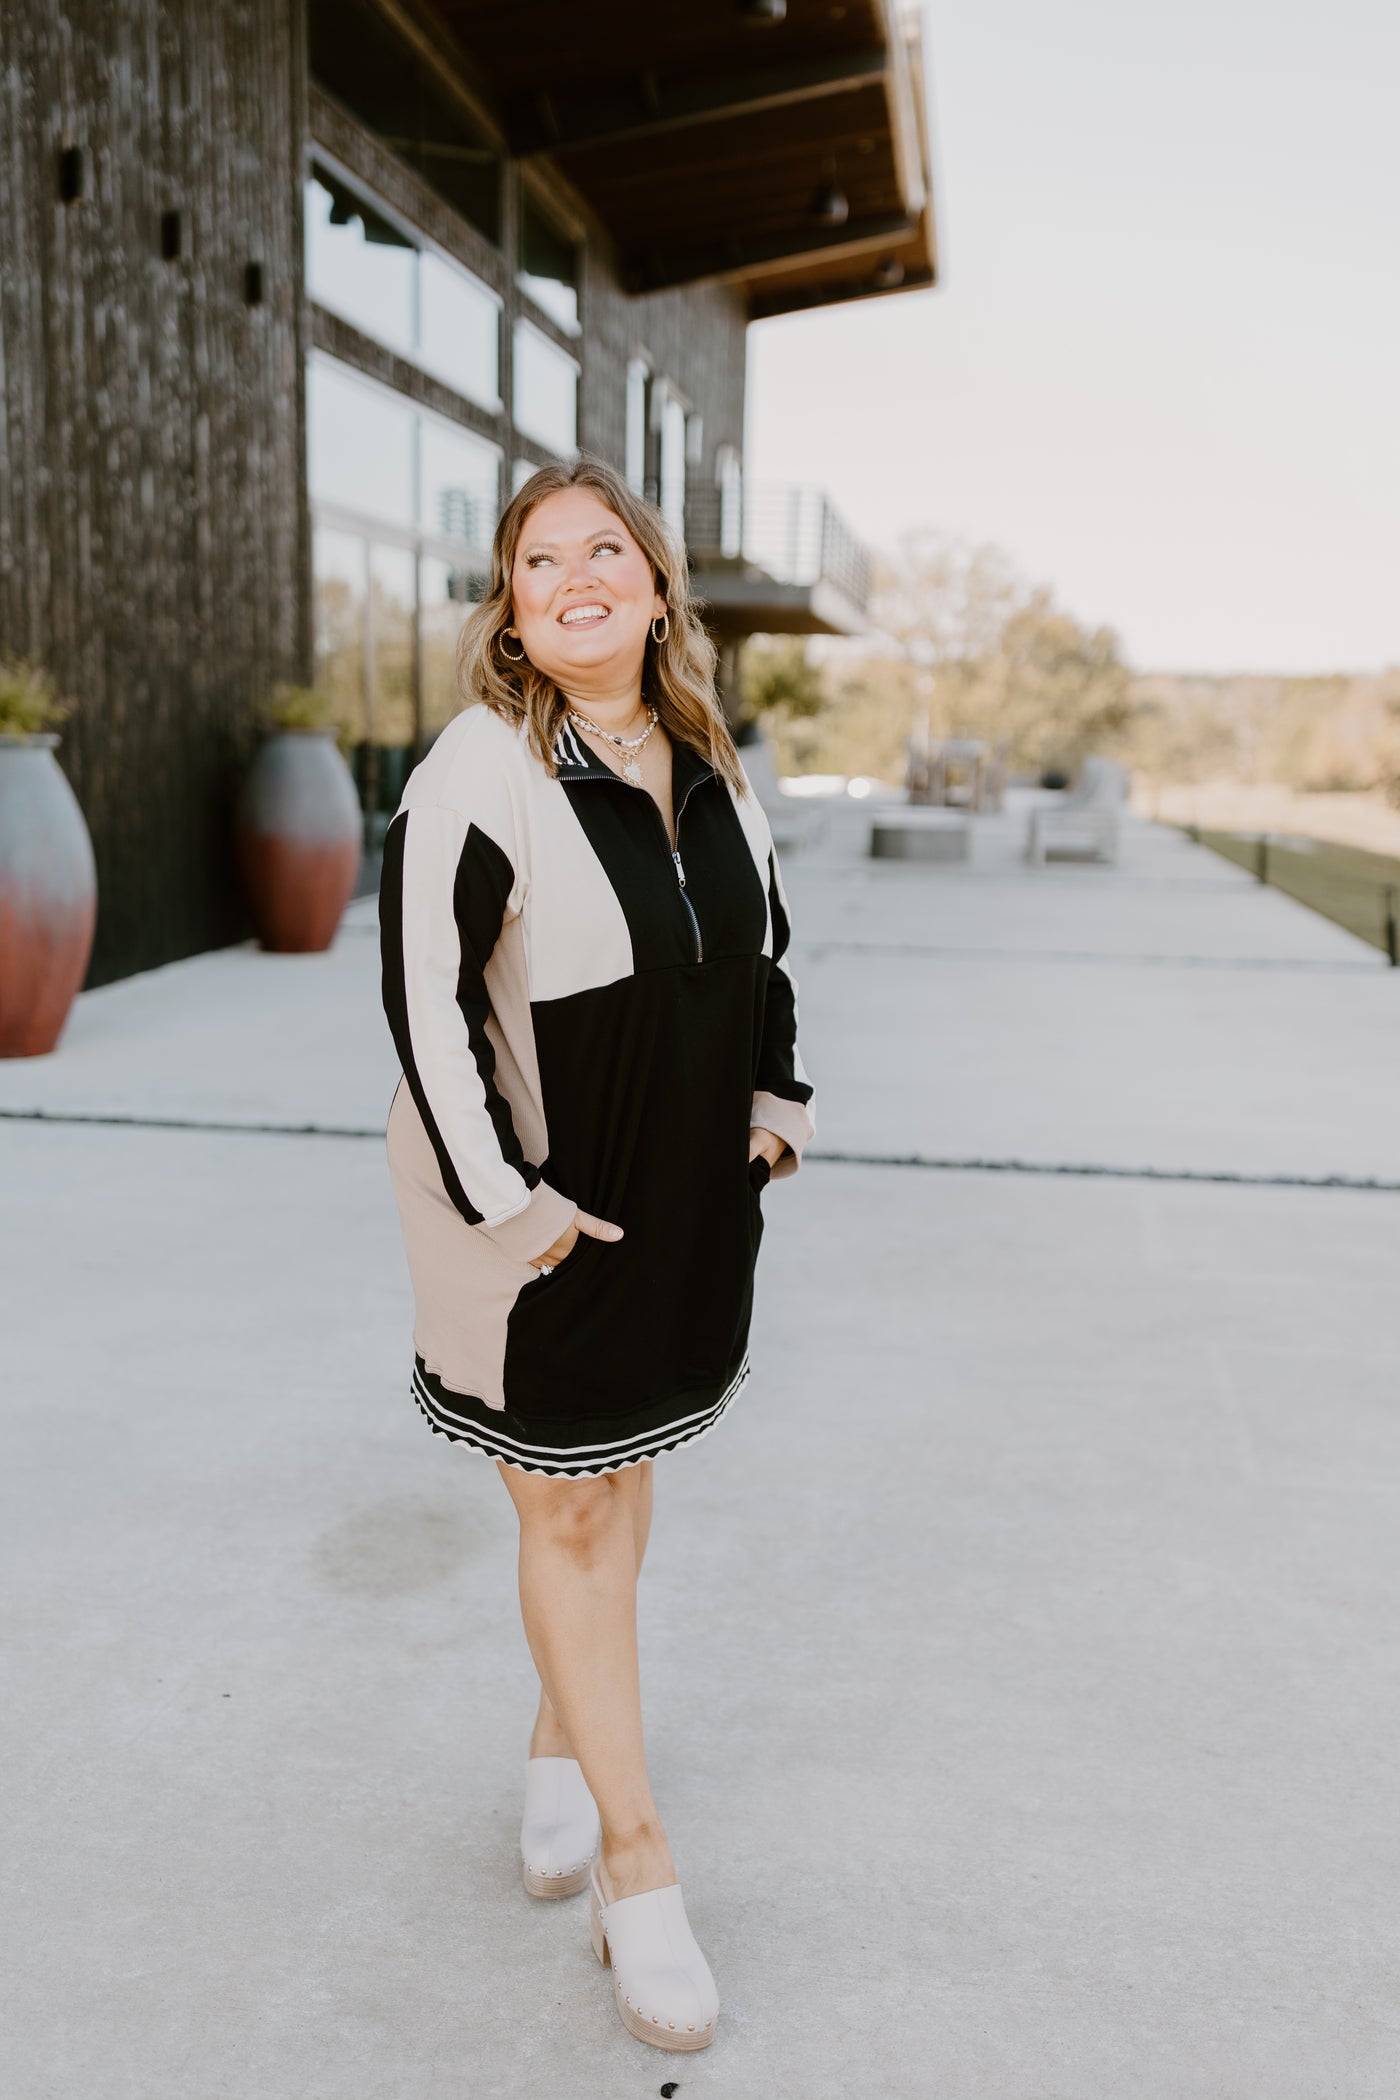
(945, 603)
(775, 673)
(1062, 690)
(1002, 661)
(963, 647)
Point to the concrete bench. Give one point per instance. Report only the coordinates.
(921, 834)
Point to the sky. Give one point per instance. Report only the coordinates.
(1162, 366)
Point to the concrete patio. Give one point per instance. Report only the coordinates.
(1021, 1659)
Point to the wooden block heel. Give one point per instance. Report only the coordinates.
(551, 1885)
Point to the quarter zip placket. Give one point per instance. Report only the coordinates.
(673, 851)
(680, 877)
(675, 854)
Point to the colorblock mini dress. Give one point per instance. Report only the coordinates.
(585, 1018)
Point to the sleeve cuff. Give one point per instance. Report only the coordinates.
(526, 1235)
(790, 1120)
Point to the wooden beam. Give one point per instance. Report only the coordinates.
(657, 106)
(905, 131)
(657, 271)
(445, 58)
(768, 301)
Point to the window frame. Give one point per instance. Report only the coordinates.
(531, 326)
(532, 200)
(418, 541)
(421, 243)
(636, 427)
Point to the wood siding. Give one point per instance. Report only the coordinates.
(152, 530)
(695, 338)
(154, 534)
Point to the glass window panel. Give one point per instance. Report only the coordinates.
(459, 333)
(461, 485)
(444, 595)
(339, 598)
(731, 501)
(393, 591)
(545, 392)
(360, 442)
(636, 455)
(548, 267)
(673, 464)
(359, 265)
(519, 474)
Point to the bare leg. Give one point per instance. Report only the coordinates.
(548, 1738)
(578, 1597)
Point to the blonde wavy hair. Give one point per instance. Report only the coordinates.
(678, 675)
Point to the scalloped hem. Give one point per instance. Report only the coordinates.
(559, 1465)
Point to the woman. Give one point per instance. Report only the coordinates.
(583, 931)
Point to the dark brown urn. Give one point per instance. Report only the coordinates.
(298, 832)
(48, 896)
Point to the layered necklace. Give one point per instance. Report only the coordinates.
(629, 746)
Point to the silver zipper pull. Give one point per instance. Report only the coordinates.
(680, 871)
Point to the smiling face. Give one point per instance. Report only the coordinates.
(583, 596)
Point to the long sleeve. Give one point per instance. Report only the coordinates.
(783, 1093)
(449, 880)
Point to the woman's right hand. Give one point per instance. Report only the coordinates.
(582, 1221)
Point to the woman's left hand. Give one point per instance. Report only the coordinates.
(768, 1143)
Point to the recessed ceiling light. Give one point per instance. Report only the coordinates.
(831, 204)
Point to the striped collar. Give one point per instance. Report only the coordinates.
(576, 761)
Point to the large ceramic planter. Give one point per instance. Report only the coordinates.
(48, 896)
(298, 832)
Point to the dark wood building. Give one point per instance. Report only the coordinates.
(292, 293)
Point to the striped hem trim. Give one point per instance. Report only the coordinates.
(588, 1462)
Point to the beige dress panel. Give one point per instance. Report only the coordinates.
(463, 1285)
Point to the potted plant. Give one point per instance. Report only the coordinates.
(48, 879)
(298, 824)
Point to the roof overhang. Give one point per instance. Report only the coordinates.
(739, 600)
(702, 140)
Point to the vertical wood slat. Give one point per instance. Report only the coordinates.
(152, 542)
(154, 524)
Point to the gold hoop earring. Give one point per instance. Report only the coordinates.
(665, 617)
(510, 655)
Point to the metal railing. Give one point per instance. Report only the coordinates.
(793, 533)
(1353, 888)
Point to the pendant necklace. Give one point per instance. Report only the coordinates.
(628, 745)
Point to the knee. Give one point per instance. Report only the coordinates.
(580, 1518)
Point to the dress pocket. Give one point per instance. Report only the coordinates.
(579, 1256)
(760, 1172)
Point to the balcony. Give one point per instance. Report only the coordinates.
(775, 560)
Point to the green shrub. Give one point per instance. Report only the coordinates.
(298, 707)
(306, 707)
(29, 703)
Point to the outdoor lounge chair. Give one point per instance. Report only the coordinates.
(1084, 823)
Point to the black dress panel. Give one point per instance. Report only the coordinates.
(645, 1085)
